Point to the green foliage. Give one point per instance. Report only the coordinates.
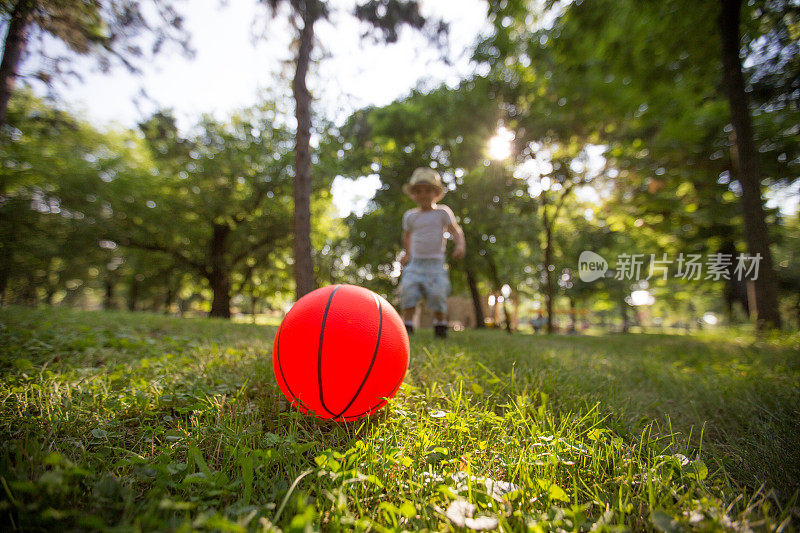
(51, 216)
(644, 82)
(119, 420)
(218, 202)
(83, 208)
(117, 32)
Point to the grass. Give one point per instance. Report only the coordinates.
(131, 422)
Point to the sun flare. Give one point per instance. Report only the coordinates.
(500, 144)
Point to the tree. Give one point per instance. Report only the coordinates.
(49, 212)
(385, 17)
(554, 188)
(213, 201)
(110, 30)
(744, 157)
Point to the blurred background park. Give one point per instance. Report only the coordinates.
(224, 158)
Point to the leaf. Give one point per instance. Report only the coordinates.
(697, 470)
(436, 454)
(664, 522)
(267, 456)
(389, 507)
(166, 503)
(51, 478)
(246, 462)
(446, 491)
(374, 480)
(197, 478)
(23, 364)
(107, 487)
(302, 448)
(90, 521)
(405, 460)
(327, 461)
(99, 433)
(53, 459)
(408, 509)
(174, 435)
(197, 457)
(554, 491)
(174, 468)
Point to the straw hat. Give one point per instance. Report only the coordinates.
(425, 175)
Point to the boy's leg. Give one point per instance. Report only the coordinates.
(440, 324)
(410, 294)
(438, 290)
(408, 318)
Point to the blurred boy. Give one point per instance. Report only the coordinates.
(423, 256)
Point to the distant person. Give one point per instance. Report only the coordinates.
(423, 257)
(538, 322)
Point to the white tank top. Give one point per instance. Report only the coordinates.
(427, 231)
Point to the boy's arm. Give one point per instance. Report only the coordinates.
(405, 256)
(458, 238)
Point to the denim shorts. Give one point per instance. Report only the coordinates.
(425, 278)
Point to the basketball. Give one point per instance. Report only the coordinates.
(340, 353)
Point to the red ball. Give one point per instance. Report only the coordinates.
(340, 352)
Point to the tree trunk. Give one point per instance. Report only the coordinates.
(514, 310)
(572, 325)
(254, 307)
(174, 284)
(218, 275)
(498, 287)
(548, 252)
(744, 157)
(108, 300)
(50, 295)
(169, 298)
(133, 294)
(5, 275)
(14, 44)
(797, 311)
(623, 311)
(480, 320)
(303, 263)
(29, 290)
(221, 286)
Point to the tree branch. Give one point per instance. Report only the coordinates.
(200, 267)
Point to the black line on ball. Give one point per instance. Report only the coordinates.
(371, 363)
(377, 405)
(280, 368)
(359, 415)
(319, 355)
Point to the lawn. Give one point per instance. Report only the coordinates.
(113, 420)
